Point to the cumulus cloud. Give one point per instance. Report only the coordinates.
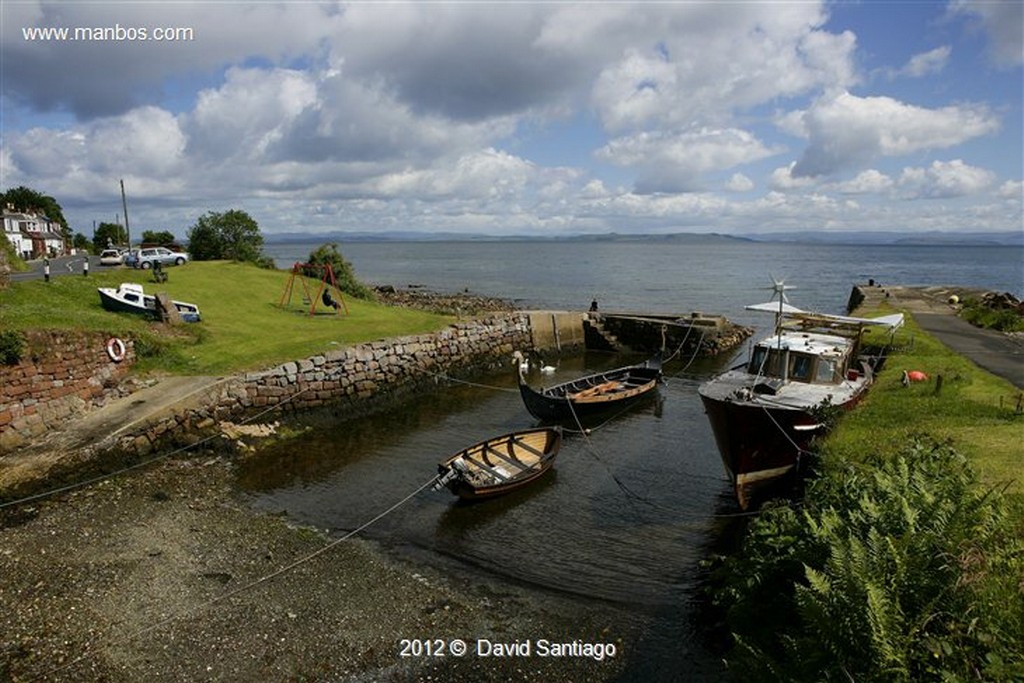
(671, 161)
(411, 115)
(926, 63)
(1012, 189)
(846, 130)
(782, 179)
(739, 183)
(489, 174)
(703, 60)
(248, 113)
(103, 78)
(944, 180)
(866, 182)
(1001, 21)
(146, 145)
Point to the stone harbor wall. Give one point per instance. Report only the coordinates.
(352, 381)
(61, 375)
(64, 376)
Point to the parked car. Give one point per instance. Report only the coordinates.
(145, 258)
(111, 257)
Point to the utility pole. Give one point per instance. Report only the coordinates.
(124, 203)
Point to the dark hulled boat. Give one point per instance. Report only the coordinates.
(592, 394)
(500, 464)
(765, 412)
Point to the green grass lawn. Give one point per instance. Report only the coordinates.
(974, 410)
(243, 326)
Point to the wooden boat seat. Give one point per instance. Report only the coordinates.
(605, 388)
(521, 466)
(527, 447)
(486, 468)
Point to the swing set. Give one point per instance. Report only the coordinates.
(323, 293)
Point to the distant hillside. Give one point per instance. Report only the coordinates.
(409, 236)
(1011, 238)
(932, 238)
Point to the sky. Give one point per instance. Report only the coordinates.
(520, 118)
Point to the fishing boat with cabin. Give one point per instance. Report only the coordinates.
(765, 412)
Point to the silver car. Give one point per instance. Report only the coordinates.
(145, 258)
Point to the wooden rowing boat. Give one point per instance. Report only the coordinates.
(500, 464)
(591, 394)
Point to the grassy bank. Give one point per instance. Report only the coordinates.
(243, 327)
(905, 560)
(972, 409)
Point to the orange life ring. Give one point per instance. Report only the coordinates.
(116, 349)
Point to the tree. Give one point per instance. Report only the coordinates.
(107, 235)
(158, 237)
(30, 201)
(80, 241)
(230, 235)
(343, 272)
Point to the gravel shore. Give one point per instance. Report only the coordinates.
(150, 576)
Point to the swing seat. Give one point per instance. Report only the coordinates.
(323, 292)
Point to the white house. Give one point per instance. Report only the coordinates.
(32, 235)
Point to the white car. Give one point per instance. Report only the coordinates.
(111, 257)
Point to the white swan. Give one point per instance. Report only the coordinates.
(524, 364)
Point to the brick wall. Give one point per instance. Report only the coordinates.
(61, 375)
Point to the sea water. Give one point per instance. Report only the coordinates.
(630, 510)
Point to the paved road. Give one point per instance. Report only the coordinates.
(1000, 353)
(997, 352)
(60, 266)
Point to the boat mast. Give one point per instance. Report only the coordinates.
(780, 289)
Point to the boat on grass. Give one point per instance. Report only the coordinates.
(592, 394)
(500, 464)
(765, 412)
(130, 298)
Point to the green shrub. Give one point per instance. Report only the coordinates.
(1002, 319)
(12, 346)
(897, 569)
(344, 275)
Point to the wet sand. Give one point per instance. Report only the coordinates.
(149, 576)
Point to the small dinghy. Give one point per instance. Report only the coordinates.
(500, 464)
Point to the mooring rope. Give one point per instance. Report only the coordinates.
(441, 375)
(144, 463)
(91, 652)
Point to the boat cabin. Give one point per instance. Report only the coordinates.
(801, 357)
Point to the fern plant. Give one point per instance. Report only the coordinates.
(900, 570)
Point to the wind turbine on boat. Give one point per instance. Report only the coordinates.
(779, 287)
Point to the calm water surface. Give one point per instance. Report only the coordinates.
(631, 509)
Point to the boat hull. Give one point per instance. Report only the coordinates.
(113, 303)
(500, 465)
(591, 395)
(133, 301)
(761, 445)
